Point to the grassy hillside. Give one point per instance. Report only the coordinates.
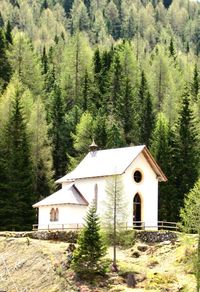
(34, 265)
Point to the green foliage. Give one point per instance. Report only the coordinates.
(87, 258)
(5, 68)
(17, 194)
(161, 148)
(191, 221)
(186, 147)
(190, 216)
(57, 132)
(104, 70)
(124, 238)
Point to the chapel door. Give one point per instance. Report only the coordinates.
(137, 210)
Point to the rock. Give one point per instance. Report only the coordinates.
(131, 282)
(19, 264)
(135, 254)
(142, 248)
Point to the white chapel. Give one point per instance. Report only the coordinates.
(140, 175)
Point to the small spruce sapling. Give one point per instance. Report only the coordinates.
(87, 258)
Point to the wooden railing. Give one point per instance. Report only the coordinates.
(162, 225)
(165, 225)
(75, 226)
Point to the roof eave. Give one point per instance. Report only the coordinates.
(160, 174)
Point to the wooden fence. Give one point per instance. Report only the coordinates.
(162, 225)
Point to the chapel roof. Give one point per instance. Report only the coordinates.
(70, 194)
(110, 162)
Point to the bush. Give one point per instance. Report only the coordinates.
(125, 238)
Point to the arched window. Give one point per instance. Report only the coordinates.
(56, 215)
(137, 208)
(52, 214)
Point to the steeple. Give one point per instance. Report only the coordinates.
(93, 147)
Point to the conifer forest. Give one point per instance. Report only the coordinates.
(121, 72)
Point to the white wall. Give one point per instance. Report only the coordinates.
(147, 189)
(69, 215)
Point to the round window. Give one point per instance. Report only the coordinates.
(137, 176)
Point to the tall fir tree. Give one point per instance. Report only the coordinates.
(57, 132)
(145, 112)
(161, 149)
(5, 68)
(17, 213)
(172, 52)
(8, 33)
(186, 156)
(44, 61)
(195, 84)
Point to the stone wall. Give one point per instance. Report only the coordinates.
(67, 236)
(156, 236)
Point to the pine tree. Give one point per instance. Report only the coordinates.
(17, 213)
(87, 257)
(115, 133)
(186, 151)
(195, 84)
(145, 112)
(115, 92)
(57, 132)
(5, 68)
(44, 5)
(44, 61)
(172, 52)
(8, 33)
(1, 21)
(161, 149)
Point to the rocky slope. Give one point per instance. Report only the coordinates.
(36, 265)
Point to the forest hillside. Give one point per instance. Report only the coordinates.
(122, 72)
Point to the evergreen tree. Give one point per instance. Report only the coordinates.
(5, 68)
(195, 85)
(128, 119)
(115, 91)
(191, 222)
(85, 91)
(44, 5)
(172, 52)
(44, 61)
(8, 33)
(167, 3)
(17, 213)
(145, 112)
(1, 21)
(114, 133)
(186, 151)
(57, 132)
(87, 258)
(161, 149)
